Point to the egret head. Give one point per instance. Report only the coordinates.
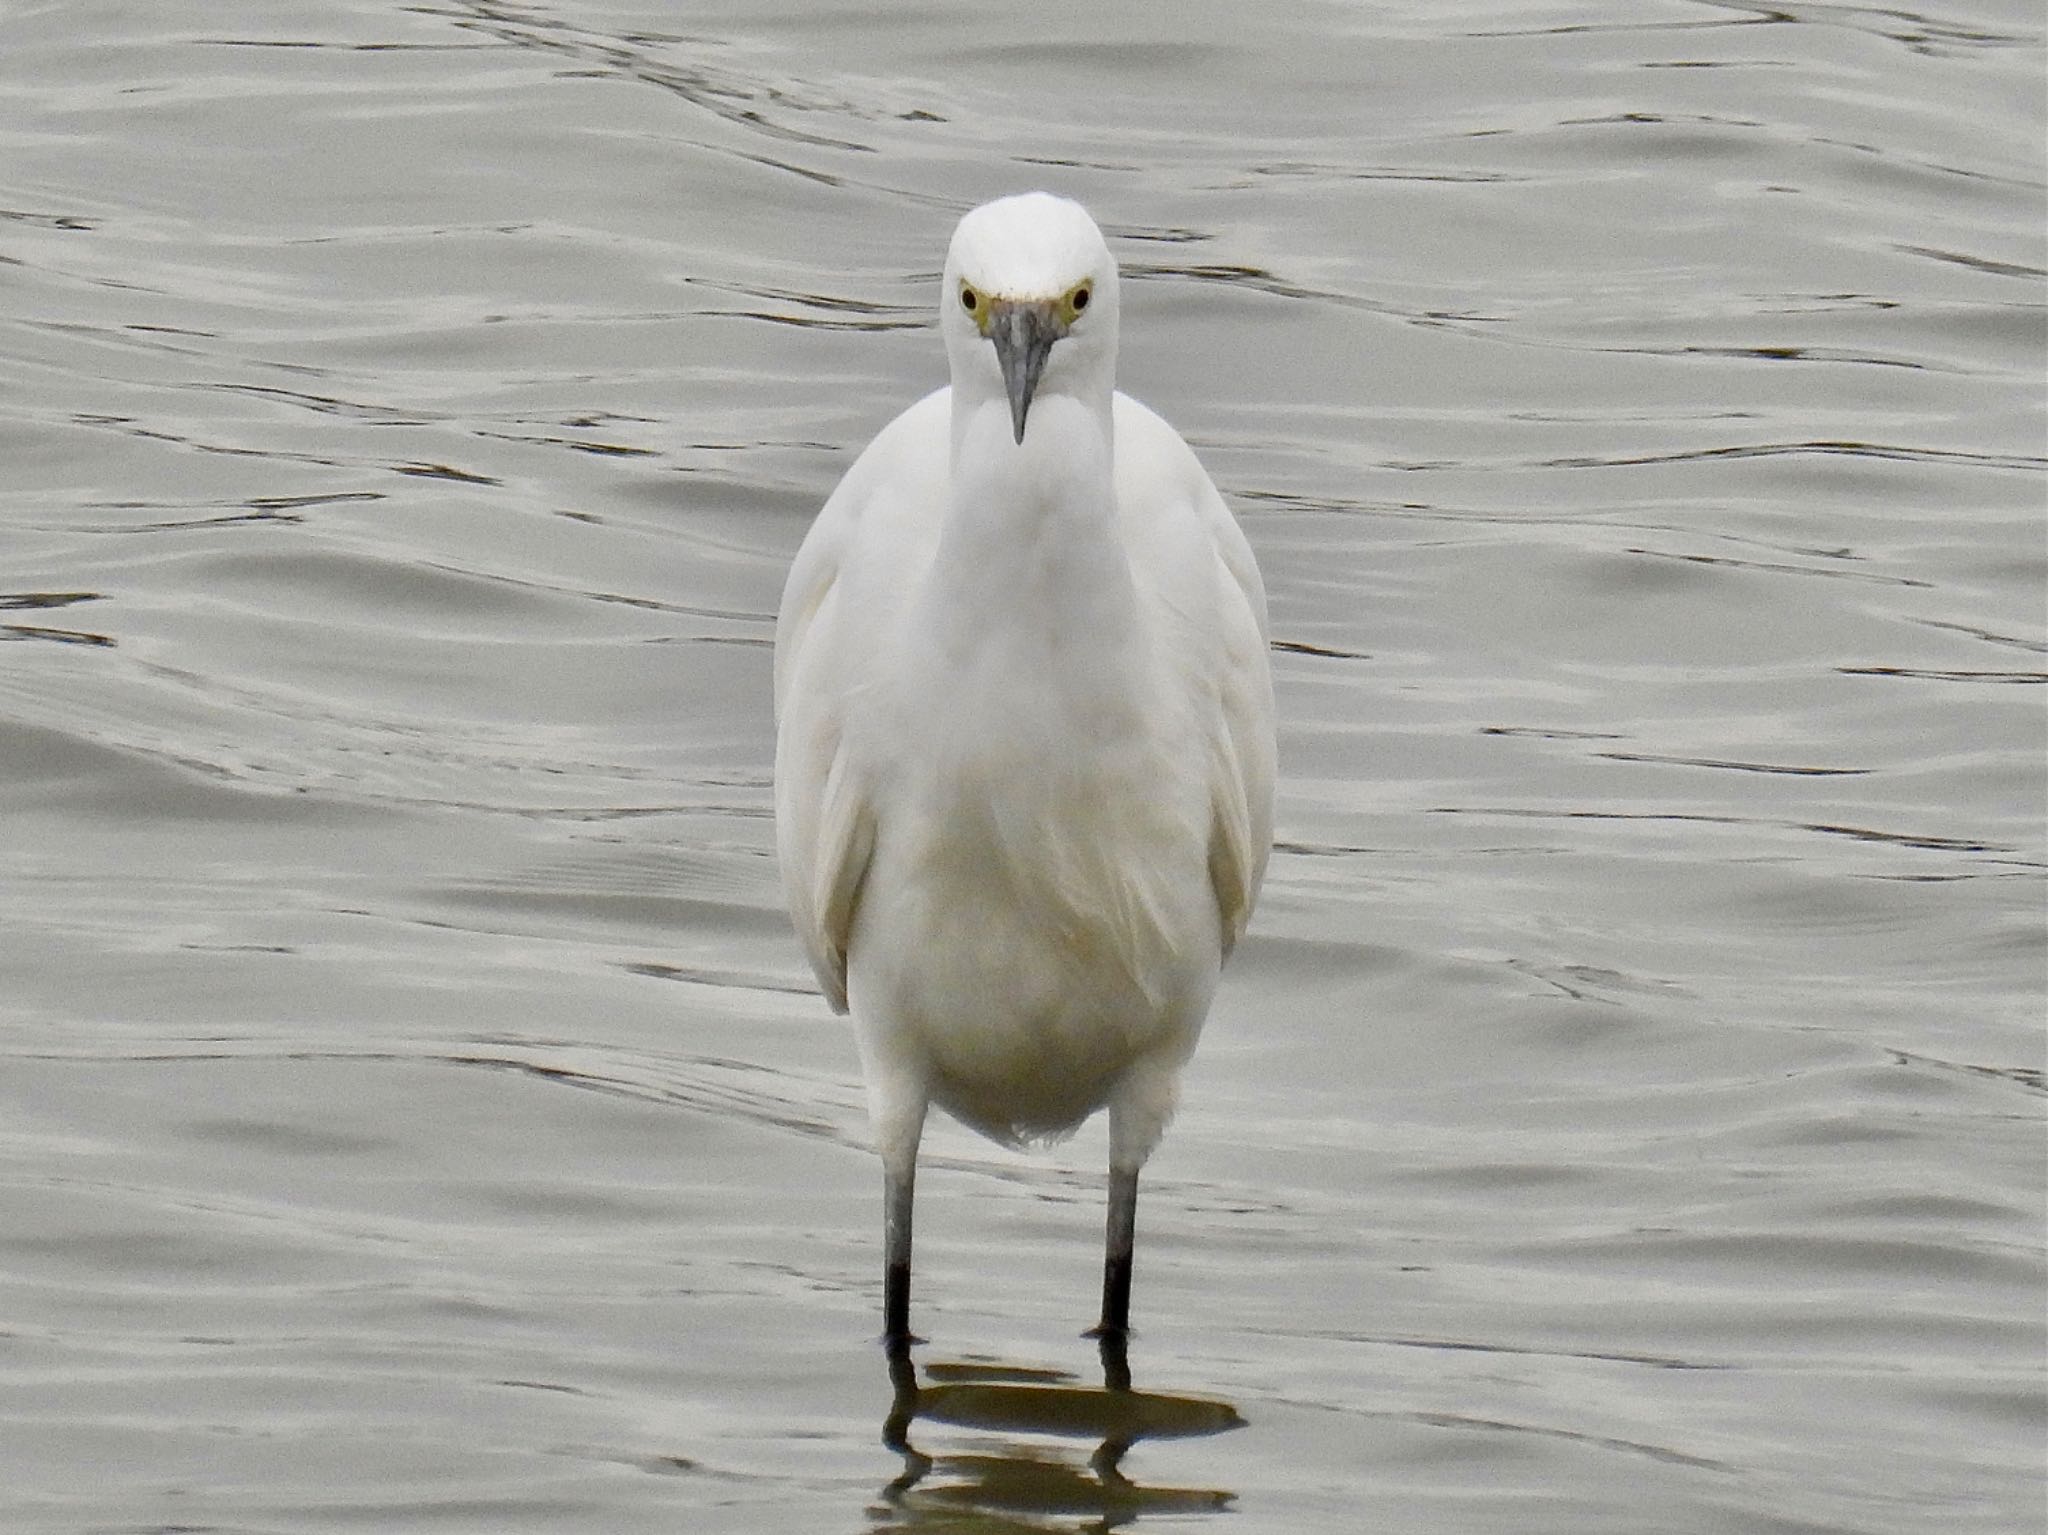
(1029, 304)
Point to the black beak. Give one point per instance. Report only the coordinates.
(1023, 334)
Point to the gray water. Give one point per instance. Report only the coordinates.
(1626, 1114)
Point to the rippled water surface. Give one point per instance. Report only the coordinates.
(1627, 1112)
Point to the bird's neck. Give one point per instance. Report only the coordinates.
(1030, 530)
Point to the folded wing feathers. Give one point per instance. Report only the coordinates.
(1243, 751)
(819, 818)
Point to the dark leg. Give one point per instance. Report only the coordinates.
(896, 1202)
(1114, 1348)
(1116, 1257)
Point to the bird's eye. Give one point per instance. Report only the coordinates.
(969, 299)
(1080, 298)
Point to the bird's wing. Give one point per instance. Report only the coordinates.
(845, 587)
(1246, 755)
(1212, 601)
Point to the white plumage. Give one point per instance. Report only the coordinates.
(1024, 763)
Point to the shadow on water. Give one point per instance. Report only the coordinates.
(1015, 1475)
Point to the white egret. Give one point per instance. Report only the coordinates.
(1024, 759)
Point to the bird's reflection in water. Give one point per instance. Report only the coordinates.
(1017, 1477)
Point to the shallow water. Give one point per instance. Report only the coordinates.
(1627, 1112)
